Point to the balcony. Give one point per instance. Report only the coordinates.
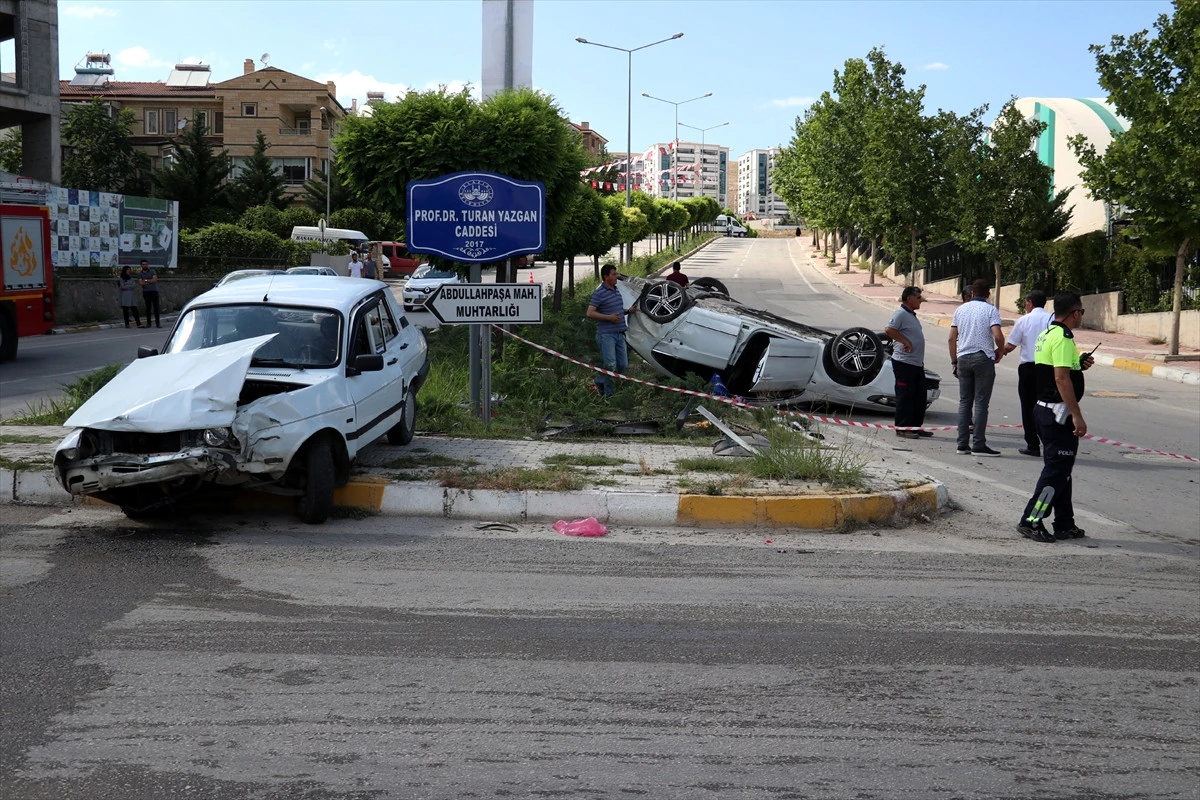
(307, 131)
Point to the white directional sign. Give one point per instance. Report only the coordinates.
(487, 303)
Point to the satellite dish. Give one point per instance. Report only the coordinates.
(266, 59)
(181, 124)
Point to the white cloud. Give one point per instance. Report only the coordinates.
(138, 56)
(355, 85)
(87, 12)
(792, 102)
(935, 65)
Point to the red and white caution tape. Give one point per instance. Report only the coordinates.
(739, 403)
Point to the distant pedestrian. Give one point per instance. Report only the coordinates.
(369, 266)
(607, 308)
(676, 276)
(1060, 423)
(976, 344)
(355, 268)
(148, 280)
(128, 286)
(1024, 335)
(908, 364)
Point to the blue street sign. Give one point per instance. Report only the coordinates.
(476, 216)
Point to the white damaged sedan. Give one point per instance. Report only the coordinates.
(700, 330)
(269, 383)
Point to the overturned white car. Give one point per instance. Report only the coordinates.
(271, 383)
(700, 330)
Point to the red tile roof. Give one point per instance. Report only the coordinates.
(133, 89)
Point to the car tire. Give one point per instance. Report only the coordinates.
(8, 333)
(403, 431)
(663, 301)
(710, 285)
(316, 504)
(854, 357)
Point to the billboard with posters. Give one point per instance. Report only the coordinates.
(103, 229)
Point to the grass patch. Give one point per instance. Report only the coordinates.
(714, 464)
(582, 460)
(16, 438)
(792, 456)
(74, 394)
(513, 479)
(23, 465)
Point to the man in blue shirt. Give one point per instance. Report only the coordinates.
(608, 310)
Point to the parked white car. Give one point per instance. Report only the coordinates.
(423, 283)
(269, 383)
(700, 330)
(326, 271)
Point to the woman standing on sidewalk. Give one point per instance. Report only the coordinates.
(128, 286)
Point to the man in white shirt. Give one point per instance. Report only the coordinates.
(355, 268)
(1024, 335)
(976, 344)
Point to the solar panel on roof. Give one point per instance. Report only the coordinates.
(188, 77)
(88, 79)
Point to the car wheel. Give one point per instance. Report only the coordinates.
(711, 285)
(403, 431)
(854, 357)
(315, 505)
(663, 301)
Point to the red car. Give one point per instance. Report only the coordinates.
(402, 262)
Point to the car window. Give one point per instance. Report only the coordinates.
(304, 337)
(387, 323)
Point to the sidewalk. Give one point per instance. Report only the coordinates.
(1117, 350)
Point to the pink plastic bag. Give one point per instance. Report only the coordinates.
(581, 527)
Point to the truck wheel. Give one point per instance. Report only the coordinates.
(8, 333)
(315, 505)
(403, 431)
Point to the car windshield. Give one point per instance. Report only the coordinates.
(248, 273)
(306, 337)
(433, 274)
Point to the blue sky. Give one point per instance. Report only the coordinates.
(763, 60)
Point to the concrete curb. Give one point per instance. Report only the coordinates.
(1149, 368)
(380, 496)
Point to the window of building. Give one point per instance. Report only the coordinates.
(200, 117)
(169, 121)
(249, 109)
(303, 126)
(295, 170)
(150, 117)
(219, 122)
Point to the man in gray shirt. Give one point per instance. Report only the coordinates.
(976, 344)
(908, 364)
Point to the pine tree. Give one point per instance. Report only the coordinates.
(258, 184)
(196, 178)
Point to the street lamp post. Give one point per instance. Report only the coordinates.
(628, 111)
(703, 131)
(675, 152)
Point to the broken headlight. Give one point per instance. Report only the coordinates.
(220, 437)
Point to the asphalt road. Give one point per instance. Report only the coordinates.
(1116, 490)
(258, 658)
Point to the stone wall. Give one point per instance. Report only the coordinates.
(80, 299)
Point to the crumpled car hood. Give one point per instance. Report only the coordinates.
(172, 392)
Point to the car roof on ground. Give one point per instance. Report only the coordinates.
(284, 289)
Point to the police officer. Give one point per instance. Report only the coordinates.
(1059, 372)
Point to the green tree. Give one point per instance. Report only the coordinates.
(340, 195)
(1153, 169)
(428, 134)
(11, 152)
(97, 153)
(1008, 210)
(195, 178)
(586, 228)
(258, 183)
(377, 225)
(265, 218)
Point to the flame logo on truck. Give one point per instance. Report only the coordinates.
(22, 258)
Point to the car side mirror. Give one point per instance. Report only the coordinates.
(368, 362)
(145, 351)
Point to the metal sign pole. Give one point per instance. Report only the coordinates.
(474, 359)
(485, 344)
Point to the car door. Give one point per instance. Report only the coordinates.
(379, 395)
(787, 365)
(701, 337)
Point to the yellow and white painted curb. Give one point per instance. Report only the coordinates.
(668, 509)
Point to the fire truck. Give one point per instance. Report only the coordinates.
(27, 295)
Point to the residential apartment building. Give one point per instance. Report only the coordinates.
(296, 115)
(695, 169)
(755, 190)
(593, 142)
